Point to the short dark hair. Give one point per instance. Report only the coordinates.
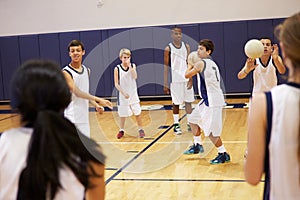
(208, 44)
(75, 43)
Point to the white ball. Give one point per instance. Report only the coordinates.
(254, 48)
(193, 58)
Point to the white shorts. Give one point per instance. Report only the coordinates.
(209, 119)
(180, 93)
(128, 110)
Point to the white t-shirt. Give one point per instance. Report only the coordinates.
(14, 145)
(284, 141)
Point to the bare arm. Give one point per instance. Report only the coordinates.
(133, 72)
(192, 70)
(117, 85)
(190, 82)
(79, 93)
(277, 60)
(254, 164)
(98, 191)
(166, 69)
(248, 67)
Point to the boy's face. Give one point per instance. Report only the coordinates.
(202, 53)
(76, 53)
(268, 48)
(176, 35)
(125, 58)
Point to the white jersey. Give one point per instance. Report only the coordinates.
(78, 110)
(283, 147)
(14, 146)
(209, 84)
(178, 62)
(264, 77)
(128, 85)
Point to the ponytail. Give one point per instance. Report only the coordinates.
(55, 144)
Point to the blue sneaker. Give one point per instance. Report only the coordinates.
(177, 129)
(194, 149)
(221, 158)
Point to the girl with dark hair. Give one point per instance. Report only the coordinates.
(274, 125)
(46, 158)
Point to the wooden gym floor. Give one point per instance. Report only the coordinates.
(155, 168)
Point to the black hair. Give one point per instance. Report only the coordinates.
(75, 43)
(40, 94)
(208, 44)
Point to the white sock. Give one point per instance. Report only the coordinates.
(121, 129)
(176, 118)
(221, 149)
(197, 140)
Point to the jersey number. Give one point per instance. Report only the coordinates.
(214, 68)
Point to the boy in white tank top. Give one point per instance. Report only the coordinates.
(175, 58)
(127, 99)
(77, 77)
(264, 68)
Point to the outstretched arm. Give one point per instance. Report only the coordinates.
(248, 67)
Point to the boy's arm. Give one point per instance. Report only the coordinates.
(132, 69)
(166, 69)
(248, 67)
(190, 82)
(117, 85)
(192, 70)
(277, 60)
(79, 93)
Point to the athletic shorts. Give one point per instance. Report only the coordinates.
(180, 93)
(128, 110)
(209, 119)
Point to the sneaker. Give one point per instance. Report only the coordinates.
(177, 129)
(194, 149)
(189, 127)
(120, 134)
(141, 133)
(221, 158)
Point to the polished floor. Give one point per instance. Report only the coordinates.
(155, 167)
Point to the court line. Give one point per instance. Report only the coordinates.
(188, 142)
(180, 180)
(8, 117)
(139, 153)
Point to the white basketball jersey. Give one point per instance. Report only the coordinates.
(209, 84)
(283, 147)
(178, 62)
(78, 109)
(128, 85)
(13, 162)
(264, 77)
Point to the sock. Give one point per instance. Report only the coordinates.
(176, 118)
(221, 149)
(121, 130)
(197, 140)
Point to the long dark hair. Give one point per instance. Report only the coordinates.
(40, 94)
(288, 34)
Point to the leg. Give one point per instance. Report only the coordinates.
(197, 147)
(177, 129)
(222, 156)
(122, 125)
(188, 110)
